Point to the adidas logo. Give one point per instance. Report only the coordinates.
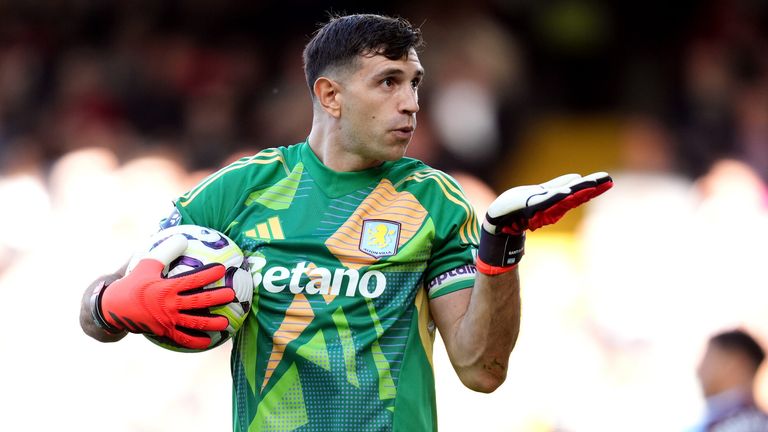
(269, 230)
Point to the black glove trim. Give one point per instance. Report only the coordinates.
(96, 313)
(501, 250)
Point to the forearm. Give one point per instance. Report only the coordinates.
(480, 326)
(86, 318)
(486, 334)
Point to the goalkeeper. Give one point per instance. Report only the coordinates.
(357, 252)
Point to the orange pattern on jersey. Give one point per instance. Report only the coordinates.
(383, 203)
(297, 317)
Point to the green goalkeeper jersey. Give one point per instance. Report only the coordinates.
(339, 337)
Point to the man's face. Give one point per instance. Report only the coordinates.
(379, 105)
(714, 368)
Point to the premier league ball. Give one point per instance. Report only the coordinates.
(206, 246)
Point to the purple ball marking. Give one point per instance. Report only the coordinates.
(229, 276)
(221, 243)
(159, 241)
(187, 261)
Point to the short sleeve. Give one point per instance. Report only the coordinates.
(207, 204)
(452, 264)
(215, 201)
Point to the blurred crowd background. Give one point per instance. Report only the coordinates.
(111, 109)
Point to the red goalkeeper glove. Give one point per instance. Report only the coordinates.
(523, 208)
(146, 302)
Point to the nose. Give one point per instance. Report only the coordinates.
(409, 101)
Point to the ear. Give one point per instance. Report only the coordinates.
(328, 95)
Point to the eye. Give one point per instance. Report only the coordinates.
(388, 82)
(415, 83)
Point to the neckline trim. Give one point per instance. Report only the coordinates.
(338, 183)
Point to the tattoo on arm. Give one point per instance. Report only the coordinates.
(494, 365)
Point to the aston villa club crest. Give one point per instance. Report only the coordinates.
(380, 238)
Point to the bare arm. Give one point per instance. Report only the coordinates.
(479, 327)
(86, 319)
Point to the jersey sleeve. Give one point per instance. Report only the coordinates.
(215, 200)
(451, 266)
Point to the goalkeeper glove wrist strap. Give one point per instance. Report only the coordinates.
(97, 314)
(499, 254)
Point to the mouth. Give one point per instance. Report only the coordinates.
(405, 132)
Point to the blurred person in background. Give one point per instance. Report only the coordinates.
(348, 199)
(727, 375)
(631, 222)
(648, 217)
(724, 101)
(476, 85)
(730, 187)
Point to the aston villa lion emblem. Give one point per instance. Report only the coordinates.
(380, 238)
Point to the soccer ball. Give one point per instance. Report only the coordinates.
(206, 246)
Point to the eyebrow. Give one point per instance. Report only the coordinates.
(397, 71)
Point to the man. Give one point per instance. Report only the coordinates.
(727, 376)
(366, 253)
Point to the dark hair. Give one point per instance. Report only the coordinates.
(740, 341)
(343, 38)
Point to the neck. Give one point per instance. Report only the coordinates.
(330, 146)
(744, 388)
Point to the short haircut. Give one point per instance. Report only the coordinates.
(340, 41)
(740, 341)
